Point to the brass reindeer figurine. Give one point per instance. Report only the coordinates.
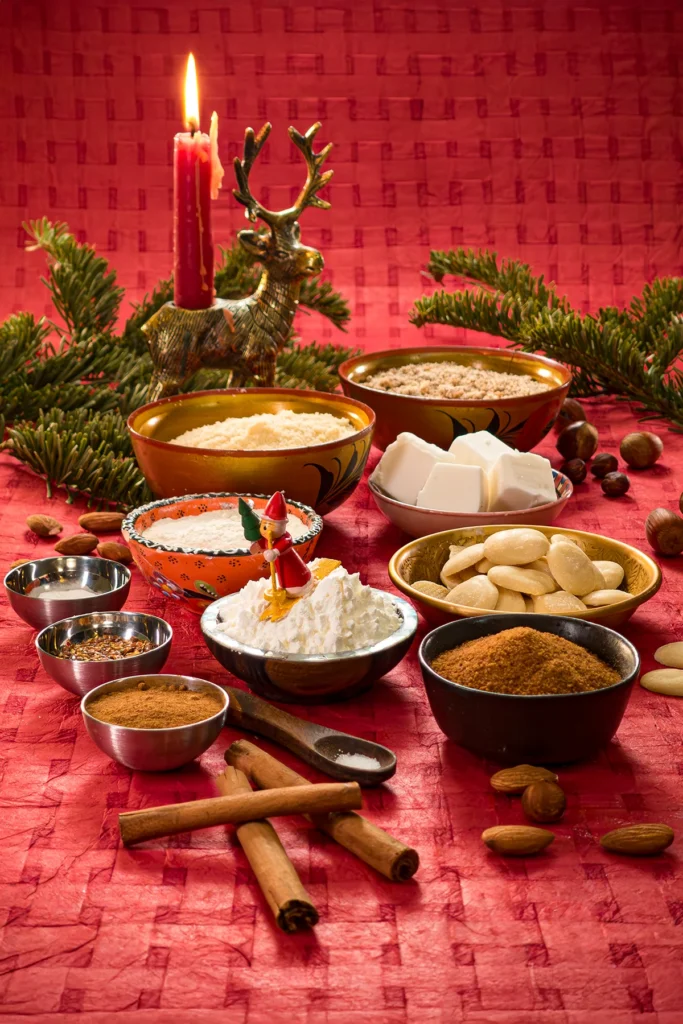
(245, 335)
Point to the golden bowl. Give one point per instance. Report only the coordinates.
(520, 422)
(322, 476)
(422, 559)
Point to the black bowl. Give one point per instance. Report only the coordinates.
(548, 729)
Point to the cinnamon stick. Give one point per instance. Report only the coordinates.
(153, 822)
(371, 844)
(275, 873)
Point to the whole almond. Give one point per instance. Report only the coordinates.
(638, 840)
(544, 801)
(44, 526)
(101, 522)
(517, 840)
(19, 561)
(78, 544)
(116, 552)
(515, 780)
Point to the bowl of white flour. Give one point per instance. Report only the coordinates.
(194, 548)
(333, 643)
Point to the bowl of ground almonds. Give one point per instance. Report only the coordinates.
(311, 445)
(511, 569)
(194, 548)
(443, 392)
(154, 723)
(535, 689)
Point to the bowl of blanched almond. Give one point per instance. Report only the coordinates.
(512, 569)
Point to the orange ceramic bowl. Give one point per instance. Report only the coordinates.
(195, 576)
(521, 422)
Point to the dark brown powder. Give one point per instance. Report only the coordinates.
(525, 661)
(154, 707)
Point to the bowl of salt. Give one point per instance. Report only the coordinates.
(49, 589)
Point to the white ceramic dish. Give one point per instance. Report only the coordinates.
(420, 522)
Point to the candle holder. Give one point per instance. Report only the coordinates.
(245, 335)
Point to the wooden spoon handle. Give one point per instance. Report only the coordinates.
(255, 715)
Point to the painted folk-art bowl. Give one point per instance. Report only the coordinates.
(520, 422)
(322, 476)
(422, 559)
(197, 577)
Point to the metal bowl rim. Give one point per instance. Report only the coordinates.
(559, 478)
(484, 403)
(634, 600)
(627, 681)
(54, 558)
(239, 453)
(406, 629)
(111, 661)
(315, 523)
(170, 728)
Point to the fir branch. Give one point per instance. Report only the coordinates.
(84, 290)
(321, 297)
(21, 339)
(512, 277)
(478, 310)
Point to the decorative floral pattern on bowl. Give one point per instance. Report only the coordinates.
(196, 577)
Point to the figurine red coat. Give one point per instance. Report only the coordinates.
(292, 572)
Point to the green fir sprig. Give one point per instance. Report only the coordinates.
(67, 387)
(631, 353)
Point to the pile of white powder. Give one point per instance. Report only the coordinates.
(340, 614)
(284, 429)
(209, 531)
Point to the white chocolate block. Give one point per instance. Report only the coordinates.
(451, 488)
(479, 449)
(520, 480)
(403, 469)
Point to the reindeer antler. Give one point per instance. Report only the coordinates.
(253, 144)
(314, 182)
(314, 161)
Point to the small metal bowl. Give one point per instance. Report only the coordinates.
(309, 678)
(541, 729)
(154, 750)
(80, 677)
(110, 581)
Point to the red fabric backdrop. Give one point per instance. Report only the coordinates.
(549, 131)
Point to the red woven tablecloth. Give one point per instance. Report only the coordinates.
(550, 131)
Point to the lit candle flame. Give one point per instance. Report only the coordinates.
(191, 96)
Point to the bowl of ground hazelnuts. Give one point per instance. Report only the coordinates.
(536, 689)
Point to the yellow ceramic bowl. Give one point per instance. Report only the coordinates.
(322, 476)
(196, 576)
(520, 422)
(422, 559)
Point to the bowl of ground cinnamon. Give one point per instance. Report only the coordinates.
(541, 689)
(155, 723)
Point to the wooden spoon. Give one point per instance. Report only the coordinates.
(315, 744)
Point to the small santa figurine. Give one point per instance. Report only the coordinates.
(277, 546)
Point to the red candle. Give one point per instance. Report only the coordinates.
(196, 180)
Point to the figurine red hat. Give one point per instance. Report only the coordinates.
(276, 509)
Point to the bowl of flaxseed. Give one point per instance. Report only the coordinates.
(442, 392)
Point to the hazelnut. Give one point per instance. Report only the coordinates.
(603, 464)
(641, 449)
(570, 412)
(575, 469)
(578, 441)
(664, 532)
(544, 801)
(615, 484)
